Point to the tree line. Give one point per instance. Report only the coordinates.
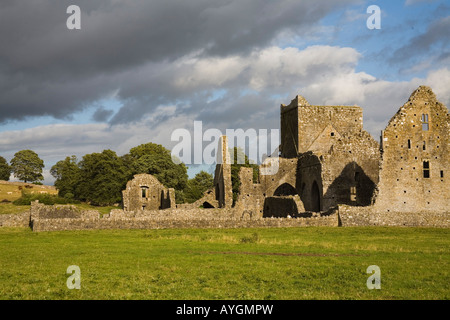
(99, 178)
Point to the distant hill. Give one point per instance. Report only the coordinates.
(13, 190)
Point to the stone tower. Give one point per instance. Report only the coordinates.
(305, 127)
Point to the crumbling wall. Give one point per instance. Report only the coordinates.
(346, 174)
(283, 206)
(208, 201)
(351, 170)
(250, 200)
(415, 158)
(287, 169)
(222, 176)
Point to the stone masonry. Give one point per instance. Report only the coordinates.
(415, 157)
(145, 192)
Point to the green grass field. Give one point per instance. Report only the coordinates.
(277, 263)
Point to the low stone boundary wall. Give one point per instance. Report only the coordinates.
(366, 216)
(15, 220)
(164, 223)
(52, 218)
(66, 217)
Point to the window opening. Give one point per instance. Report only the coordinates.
(425, 123)
(426, 169)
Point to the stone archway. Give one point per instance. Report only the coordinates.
(285, 190)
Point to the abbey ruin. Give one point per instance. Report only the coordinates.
(330, 172)
(327, 159)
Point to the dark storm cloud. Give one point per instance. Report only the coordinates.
(46, 69)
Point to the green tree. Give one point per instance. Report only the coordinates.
(197, 186)
(27, 166)
(67, 174)
(5, 169)
(103, 176)
(156, 160)
(240, 160)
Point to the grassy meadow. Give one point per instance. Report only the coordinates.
(277, 263)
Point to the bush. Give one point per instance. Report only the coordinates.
(69, 196)
(47, 199)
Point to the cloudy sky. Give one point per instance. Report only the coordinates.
(139, 69)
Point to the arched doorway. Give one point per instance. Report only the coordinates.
(315, 197)
(285, 190)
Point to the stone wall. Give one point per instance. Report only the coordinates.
(53, 218)
(45, 219)
(368, 216)
(251, 195)
(15, 220)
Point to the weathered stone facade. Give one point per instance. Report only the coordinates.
(337, 161)
(415, 159)
(145, 192)
(315, 128)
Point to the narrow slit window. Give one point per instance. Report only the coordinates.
(425, 123)
(426, 169)
(442, 173)
(144, 192)
(409, 144)
(424, 146)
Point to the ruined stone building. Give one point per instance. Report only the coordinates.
(326, 159)
(145, 192)
(414, 156)
(329, 172)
